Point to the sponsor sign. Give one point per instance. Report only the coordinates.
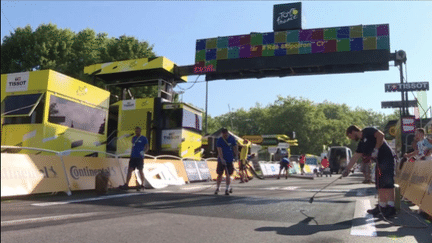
(128, 105)
(290, 42)
(413, 86)
(204, 170)
(171, 139)
(17, 82)
(192, 170)
(23, 174)
(398, 104)
(408, 124)
(81, 171)
(197, 170)
(418, 183)
(287, 16)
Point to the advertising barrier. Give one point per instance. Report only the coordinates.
(178, 166)
(212, 166)
(405, 174)
(426, 203)
(23, 174)
(196, 170)
(418, 183)
(81, 171)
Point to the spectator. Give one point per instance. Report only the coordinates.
(242, 162)
(302, 163)
(423, 148)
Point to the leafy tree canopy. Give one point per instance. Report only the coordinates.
(65, 51)
(315, 125)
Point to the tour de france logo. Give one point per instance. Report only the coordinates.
(287, 16)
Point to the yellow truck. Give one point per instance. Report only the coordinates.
(273, 147)
(49, 110)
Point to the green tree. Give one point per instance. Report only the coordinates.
(316, 125)
(65, 51)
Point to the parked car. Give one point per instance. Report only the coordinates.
(339, 157)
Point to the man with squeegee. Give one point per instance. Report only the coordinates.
(372, 146)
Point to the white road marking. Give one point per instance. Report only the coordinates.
(45, 219)
(363, 223)
(86, 199)
(294, 188)
(195, 187)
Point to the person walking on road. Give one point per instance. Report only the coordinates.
(227, 152)
(372, 144)
(324, 165)
(302, 162)
(284, 164)
(242, 162)
(140, 146)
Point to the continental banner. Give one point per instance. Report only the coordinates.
(23, 174)
(418, 183)
(82, 171)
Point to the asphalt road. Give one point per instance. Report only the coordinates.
(258, 211)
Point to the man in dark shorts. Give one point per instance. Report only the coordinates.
(284, 164)
(139, 148)
(227, 148)
(372, 145)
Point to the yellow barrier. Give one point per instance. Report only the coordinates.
(418, 183)
(405, 175)
(212, 164)
(23, 174)
(426, 203)
(178, 164)
(212, 167)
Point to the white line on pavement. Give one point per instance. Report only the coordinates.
(363, 223)
(86, 199)
(44, 219)
(195, 187)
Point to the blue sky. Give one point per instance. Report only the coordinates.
(174, 27)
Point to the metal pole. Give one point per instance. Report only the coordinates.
(206, 110)
(402, 93)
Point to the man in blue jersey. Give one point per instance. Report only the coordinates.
(373, 146)
(227, 152)
(139, 148)
(284, 164)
